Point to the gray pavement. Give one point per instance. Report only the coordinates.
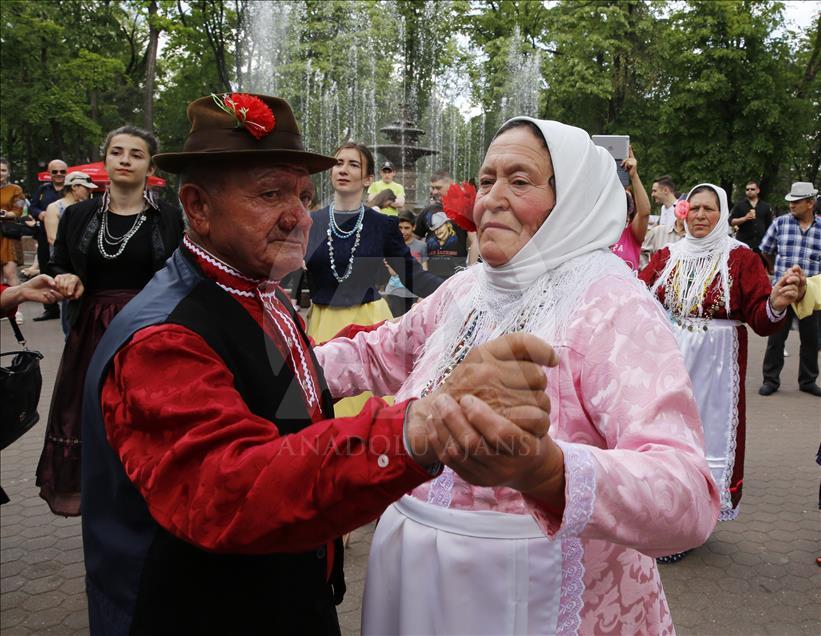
(756, 575)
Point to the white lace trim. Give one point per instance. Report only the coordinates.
(580, 490)
(293, 341)
(729, 515)
(570, 602)
(546, 308)
(772, 314)
(213, 260)
(236, 292)
(732, 429)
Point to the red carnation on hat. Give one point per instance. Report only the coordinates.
(249, 111)
(458, 205)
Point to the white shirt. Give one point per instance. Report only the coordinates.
(668, 214)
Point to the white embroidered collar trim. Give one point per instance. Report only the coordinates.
(237, 292)
(221, 265)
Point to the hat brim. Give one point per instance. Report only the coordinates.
(177, 162)
(794, 197)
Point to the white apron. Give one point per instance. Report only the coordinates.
(711, 358)
(435, 570)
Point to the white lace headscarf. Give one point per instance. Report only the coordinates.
(695, 262)
(537, 289)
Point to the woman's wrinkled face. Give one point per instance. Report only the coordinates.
(704, 214)
(516, 194)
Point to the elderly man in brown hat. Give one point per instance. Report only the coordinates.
(215, 477)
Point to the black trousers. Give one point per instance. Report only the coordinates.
(43, 257)
(808, 356)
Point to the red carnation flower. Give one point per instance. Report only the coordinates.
(458, 205)
(250, 112)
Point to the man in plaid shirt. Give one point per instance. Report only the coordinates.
(794, 239)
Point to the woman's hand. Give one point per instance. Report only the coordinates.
(789, 289)
(506, 376)
(486, 449)
(40, 289)
(630, 164)
(69, 285)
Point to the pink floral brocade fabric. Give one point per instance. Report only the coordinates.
(623, 412)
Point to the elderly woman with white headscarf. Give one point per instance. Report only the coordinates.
(710, 284)
(558, 539)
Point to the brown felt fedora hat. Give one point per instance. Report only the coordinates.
(235, 126)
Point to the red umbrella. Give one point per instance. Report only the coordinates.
(96, 172)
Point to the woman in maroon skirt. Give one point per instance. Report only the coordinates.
(106, 250)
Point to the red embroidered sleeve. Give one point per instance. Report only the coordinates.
(220, 477)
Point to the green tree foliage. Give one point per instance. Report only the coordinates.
(731, 105)
(708, 90)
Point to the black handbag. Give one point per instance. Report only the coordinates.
(20, 384)
(12, 229)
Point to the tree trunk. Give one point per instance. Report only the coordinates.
(31, 163)
(150, 67)
(94, 152)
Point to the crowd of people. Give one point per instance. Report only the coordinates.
(508, 391)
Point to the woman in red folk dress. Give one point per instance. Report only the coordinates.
(711, 285)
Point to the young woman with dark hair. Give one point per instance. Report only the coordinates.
(105, 251)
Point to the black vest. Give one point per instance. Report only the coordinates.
(140, 578)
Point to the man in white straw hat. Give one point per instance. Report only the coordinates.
(794, 239)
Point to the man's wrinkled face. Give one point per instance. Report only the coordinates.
(802, 207)
(258, 221)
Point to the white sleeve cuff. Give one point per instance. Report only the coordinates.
(774, 315)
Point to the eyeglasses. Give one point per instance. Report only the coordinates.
(750, 189)
(58, 172)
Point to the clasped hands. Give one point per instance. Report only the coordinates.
(489, 420)
(789, 289)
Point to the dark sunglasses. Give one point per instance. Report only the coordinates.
(750, 189)
(58, 172)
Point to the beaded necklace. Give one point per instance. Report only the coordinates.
(104, 237)
(335, 231)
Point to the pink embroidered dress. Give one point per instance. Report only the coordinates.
(637, 482)
(452, 558)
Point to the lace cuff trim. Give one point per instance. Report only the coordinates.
(570, 602)
(774, 315)
(580, 489)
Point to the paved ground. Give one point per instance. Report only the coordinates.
(756, 575)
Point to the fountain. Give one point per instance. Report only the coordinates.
(404, 151)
